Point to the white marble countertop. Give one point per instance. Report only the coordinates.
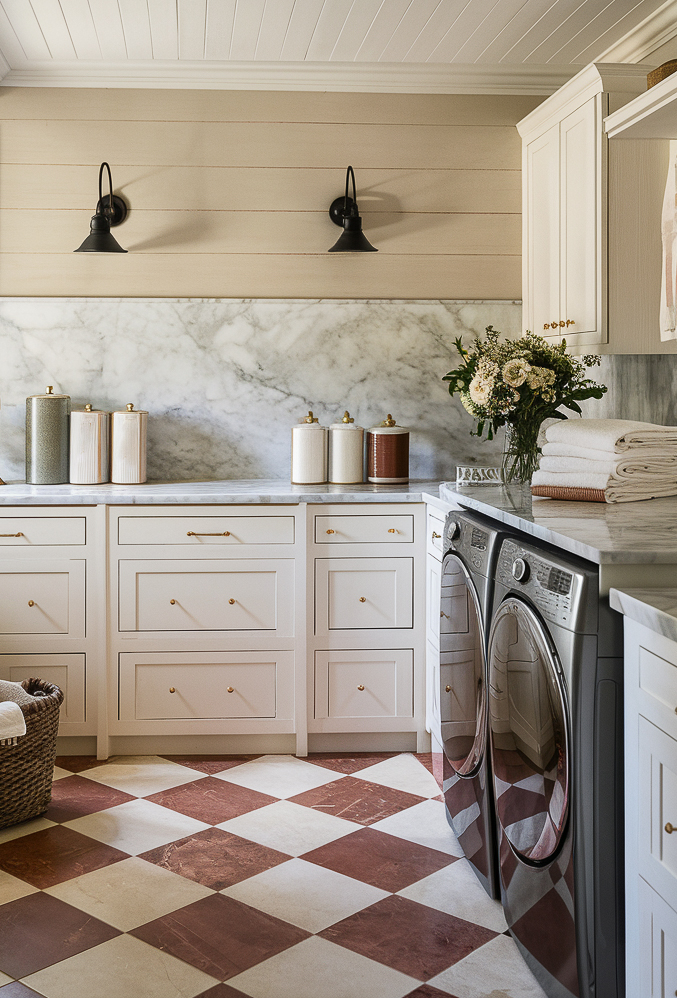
(655, 608)
(621, 533)
(218, 493)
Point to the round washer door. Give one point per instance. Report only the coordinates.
(529, 735)
(463, 711)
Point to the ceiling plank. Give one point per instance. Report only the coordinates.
(499, 48)
(10, 46)
(327, 30)
(606, 33)
(54, 28)
(381, 30)
(437, 26)
(302, 23)
(219, 31)
(192, 29)
(25, 24)
(471, 18)
(136, 26)
(357, 24)
(273, 31)
(81, 27)
(246, 29)
(108, 26)
(418, 14)
(563, 12)
(490, 28)
(164, 28)
(577, 25)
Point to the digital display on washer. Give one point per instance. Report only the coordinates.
(559, 581)
(478, 539)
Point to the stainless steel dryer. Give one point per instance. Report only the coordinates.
(556, 724)
(471, 544)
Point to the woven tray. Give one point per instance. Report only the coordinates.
(569, 494)
(26, 769)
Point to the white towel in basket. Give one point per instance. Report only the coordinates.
(12, 722)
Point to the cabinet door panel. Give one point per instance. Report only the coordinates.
(65, 671)
(42, 597)
(364, 593)
(658, 945)
(542, 233)
(365, 683)
(658, 810)
(364, 529)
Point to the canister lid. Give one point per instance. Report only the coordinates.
(347, 423)
(130, 408)
(388, 426)
(49, 394)
(309, 422)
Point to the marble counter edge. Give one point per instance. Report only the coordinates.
(656, 609)
(227, 493)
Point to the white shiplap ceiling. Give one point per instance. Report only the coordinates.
(430, 45)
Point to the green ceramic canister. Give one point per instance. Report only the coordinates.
(47, 432)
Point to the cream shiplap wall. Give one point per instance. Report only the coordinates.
(229, 193)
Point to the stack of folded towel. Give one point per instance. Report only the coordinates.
(12, 722)
(607, 460)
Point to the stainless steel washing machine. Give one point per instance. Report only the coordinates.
(471, 545)
(556, 733)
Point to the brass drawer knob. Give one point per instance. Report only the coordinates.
(231, 601)
(572, 322)
(670, 828)
(447, 689)
(546, 325)
(20, 534)
(230, 690)
(223, 533)
(391, 530)
(363, 599)
(172, 601)
(436, 537)
(172, 690)
(360, 687)
(331, 531)
(31, 602)
(554, 324)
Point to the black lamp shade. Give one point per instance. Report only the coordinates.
(100, 239)
(352, 239)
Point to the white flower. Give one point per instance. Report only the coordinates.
(480, 389)
(515, 372)
(540, 377)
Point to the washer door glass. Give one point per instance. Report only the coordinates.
(529, 742)
(462, 669)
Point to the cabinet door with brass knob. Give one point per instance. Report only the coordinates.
(42, 597)
(363, 593)
(658, 810)
(368, 683)
(369, 528)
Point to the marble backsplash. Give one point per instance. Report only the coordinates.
(224, 379)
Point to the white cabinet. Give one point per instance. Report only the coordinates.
(435, 538)
(588, 266)
(658, 945)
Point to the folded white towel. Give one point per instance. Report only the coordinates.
(666, 455)
(621, 466)
(614, 490)
(612, 434)
(12, 722)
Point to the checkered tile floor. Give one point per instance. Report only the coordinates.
(269, 877)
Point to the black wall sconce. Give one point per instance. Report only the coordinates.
(110, 210)
(344, 211)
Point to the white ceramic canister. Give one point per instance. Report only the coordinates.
(388, 453)
(309, 452)
(47, 430)
(346, 452)
(89, 460)
(128, 446)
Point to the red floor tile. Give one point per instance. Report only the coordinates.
(220, 936)
(55, 854)
(210, 763)
(426, 991)
(409, 937)
(220, 991)
(74, 796)
(211, 800)
(379, 859)
(79, 763)
(39, 930)
(357, 800)
(15, 989)
(348, 762)
(215, 858)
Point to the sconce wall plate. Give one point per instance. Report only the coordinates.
(118, 213)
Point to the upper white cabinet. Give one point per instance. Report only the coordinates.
(591, 244)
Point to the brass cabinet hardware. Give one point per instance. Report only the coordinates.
(391, 530)
(172, 601)
(230, 690)
(192, 533)
(231, 601)
(670, 828)
(572, 322)
(331, 531)
(363, 599)
(360, 687)
(447, 689)
(31, 602)
(562, 322)
(20, 534)
(436, 537)
(172, 690)
(546, 325)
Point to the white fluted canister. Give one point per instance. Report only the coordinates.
(89, 459)
(129, 429)
(346, 452)
(309, 452)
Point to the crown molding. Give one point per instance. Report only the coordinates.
(657, 29)
(430, 78)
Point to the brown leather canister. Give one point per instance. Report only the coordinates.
(388, 453)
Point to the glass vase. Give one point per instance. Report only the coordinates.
(520, 452)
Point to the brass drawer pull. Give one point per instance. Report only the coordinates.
(447, 689)
(230, 690)
(436, 537)
(20, 534)
(360, 687)
(231, 601)
(172, 601)
(363, 599)
(670, 828)
(391, 530)
(331, 531)
(31, 602)
(172, 690)
(192, 533)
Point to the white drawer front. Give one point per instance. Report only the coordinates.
(365, 683)
(66, 671)
(367, 529)
(204, 690)
(657, 945)
(36, 531)
(658, 687)
(359, 593)
(255, 595)
(435, 534)
(49, 599)
(203, 531)
(658, 809)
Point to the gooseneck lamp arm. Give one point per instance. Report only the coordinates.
(110, 210)
(344, 211)
(353, 209)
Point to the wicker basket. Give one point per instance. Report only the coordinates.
(26, 769)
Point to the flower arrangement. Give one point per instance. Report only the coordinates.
(518, 384)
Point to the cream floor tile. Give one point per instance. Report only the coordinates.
(304, 894)
(456, 890)
(289, 827)
(11, 888)
(60, 773)
(279, 775)
(142, 775)
(136, 825)
(25, 828)
(123, 967)
(424, 823)
(315, 968)
(4, 979)
(129, 893)
(497, 968)
(402, 772)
